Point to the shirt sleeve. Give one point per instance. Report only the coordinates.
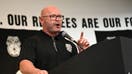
(28, 50)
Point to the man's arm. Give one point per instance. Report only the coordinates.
(27, 67)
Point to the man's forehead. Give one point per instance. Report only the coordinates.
(50, 10)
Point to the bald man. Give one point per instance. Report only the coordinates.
(48, 48)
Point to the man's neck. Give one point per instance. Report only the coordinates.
(52, 34)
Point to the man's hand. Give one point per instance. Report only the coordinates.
(83, 43)
(38, 71)
(27, 67)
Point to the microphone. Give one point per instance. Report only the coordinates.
(66, 35)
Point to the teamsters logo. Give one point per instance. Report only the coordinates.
(13, 46)
(68, 47)
(129, 72)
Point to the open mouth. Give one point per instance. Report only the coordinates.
(57, 24)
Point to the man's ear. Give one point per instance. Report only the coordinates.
(41, 20)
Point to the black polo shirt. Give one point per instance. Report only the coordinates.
(47, 52)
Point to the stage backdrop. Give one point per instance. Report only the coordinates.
(19, 20)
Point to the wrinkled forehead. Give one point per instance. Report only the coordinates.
(50, 10)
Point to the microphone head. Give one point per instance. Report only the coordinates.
(65, 34)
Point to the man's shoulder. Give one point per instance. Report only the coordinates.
(35, 35)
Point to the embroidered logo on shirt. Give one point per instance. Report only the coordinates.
(68, 47)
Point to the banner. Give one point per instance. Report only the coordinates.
(19, 19)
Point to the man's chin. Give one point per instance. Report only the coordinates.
(56, 31)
